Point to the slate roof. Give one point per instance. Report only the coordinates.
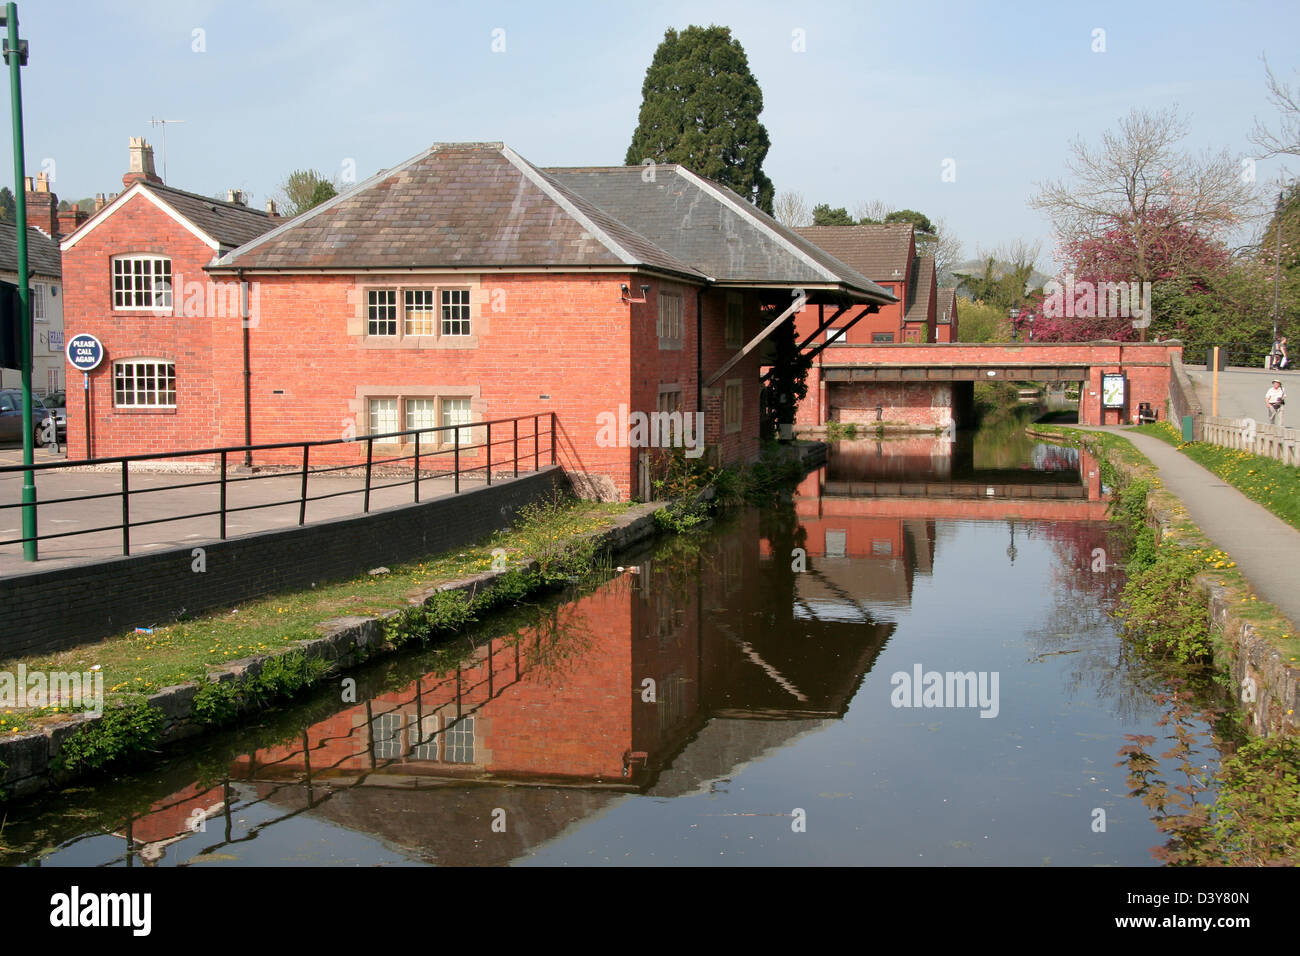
(43, 254)
(920, 291)
(713, 228)
(231, 224)
(468, 205)
(880, 252)
(456, 205)
(946, 305)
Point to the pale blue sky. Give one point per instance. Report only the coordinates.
(882, 96)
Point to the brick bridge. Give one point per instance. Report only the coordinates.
(928, 385)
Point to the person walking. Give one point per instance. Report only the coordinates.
(1274, 399)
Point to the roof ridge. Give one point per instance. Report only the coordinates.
(208, 199)
(565, 200)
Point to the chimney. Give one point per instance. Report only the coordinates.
(271, 210)
(235, 196)
(100, 201)
(70, 219)
(42, 205)
(141, 168)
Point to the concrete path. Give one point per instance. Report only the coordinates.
(1266, 548)
(1241, 392)
(185, 494)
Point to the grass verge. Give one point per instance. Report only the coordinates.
(141, 663)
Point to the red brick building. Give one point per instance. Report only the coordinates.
(945, 317)
(134, 278)
(462, 285)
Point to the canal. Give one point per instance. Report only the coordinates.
(908, 661)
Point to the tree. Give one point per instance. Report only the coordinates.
(872, 213)
(919, 220)
(1286, 139)
(699, 107)
(1138, 182)
(824, 215)
(322, 192)
(791, 210)
(944, 246)
(981, 322)
(300, 191)
(8, 208)
(1004, 273)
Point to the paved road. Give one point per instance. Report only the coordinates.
(189, 497)
(1241, 392)
(1266, 548)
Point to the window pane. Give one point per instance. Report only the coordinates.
(150, 384)
(419, 312)
(382, 312)
(455, 312)
(455, 411)
(422, 413)
(383, 416)
(460, 741)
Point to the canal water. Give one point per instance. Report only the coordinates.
(910, 661)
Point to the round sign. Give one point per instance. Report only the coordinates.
(85, 352)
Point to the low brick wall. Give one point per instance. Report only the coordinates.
(42, 611)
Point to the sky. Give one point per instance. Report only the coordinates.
(880, 100)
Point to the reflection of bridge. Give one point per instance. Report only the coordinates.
(931, 384)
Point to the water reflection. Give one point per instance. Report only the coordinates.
(751, 660)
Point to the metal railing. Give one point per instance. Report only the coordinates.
(221, 459)
(1235, 354)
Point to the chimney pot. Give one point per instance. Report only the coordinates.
(235, 195)
(100, 202)
(141, 168)
(270, 208)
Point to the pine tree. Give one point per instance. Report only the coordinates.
(699, 107)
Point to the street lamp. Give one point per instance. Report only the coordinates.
(1014, 313)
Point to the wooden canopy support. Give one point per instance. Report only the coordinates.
(753, 343)
(866, 311)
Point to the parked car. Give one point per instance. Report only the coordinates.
(56, 403)
(11, 416)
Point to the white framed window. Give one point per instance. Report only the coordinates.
(459, 741)
(38, 302)
(386, 734)
(383, 416)
(455, 311)
(735, 320)
(420, 316)
(731, 406)
(456, 411)
(424, 739)
(381, 312)
(144, 383)
(670, 326)
(835, 337)
(422, 413)
(53, 376)
(142, 282)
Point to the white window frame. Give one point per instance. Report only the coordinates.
(449, 312)
(426, 310)
(370, 415)
(137, 376)
(835, 336)
(374, 318)
(38, 302)
(463, 433)
(160, 289)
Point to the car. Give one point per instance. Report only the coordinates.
(56, 403)
(11, 416)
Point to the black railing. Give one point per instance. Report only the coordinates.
(1240, 354)
(421, 461)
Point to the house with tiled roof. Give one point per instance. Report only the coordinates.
(945, 316)
(468, 285)
(45, 281)
(134, 277)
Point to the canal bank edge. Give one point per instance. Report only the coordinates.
(29, 762)
(1251, 655)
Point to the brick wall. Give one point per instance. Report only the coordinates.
(43, 611)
